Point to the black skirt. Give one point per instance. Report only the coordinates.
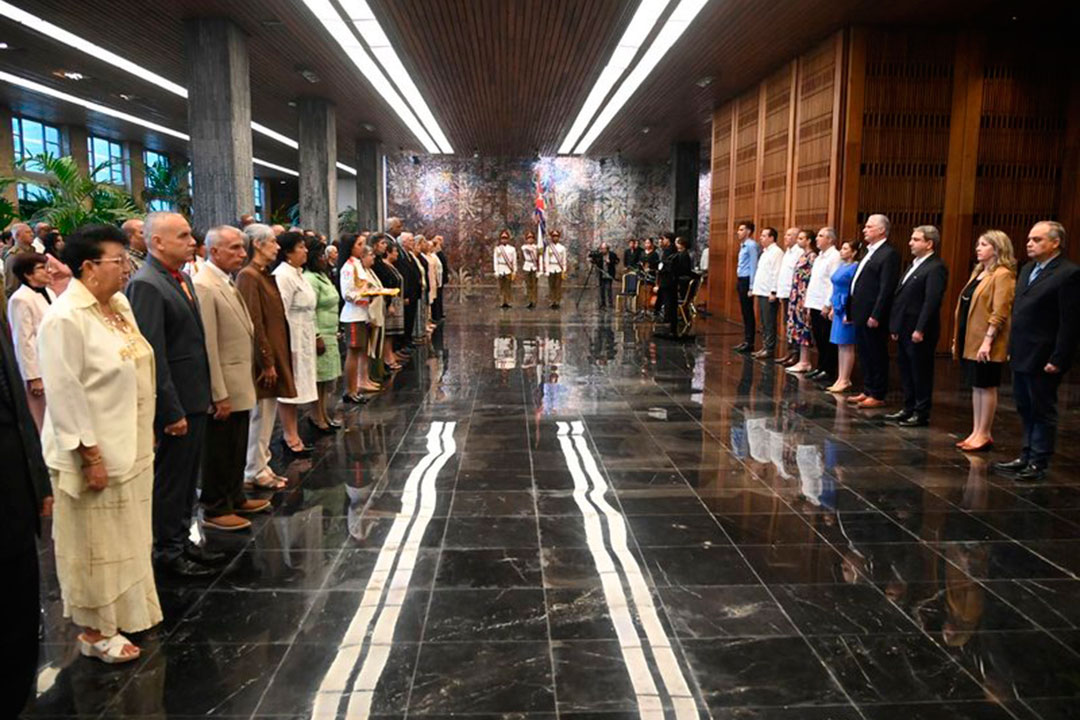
(982, 374)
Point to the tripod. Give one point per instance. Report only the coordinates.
(593, 268)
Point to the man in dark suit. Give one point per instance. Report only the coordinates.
(26, 494)
(167, 310)
(1042, 344)
(871, 299)
(915, 323)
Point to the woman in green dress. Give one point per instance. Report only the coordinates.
(328, 360)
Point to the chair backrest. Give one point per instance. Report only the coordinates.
(630, 284)
(691, 289)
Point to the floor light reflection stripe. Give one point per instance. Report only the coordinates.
(670, 672)
(648, 698)
(384, 594)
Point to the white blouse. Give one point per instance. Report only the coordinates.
(353, 277)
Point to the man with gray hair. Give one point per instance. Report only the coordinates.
(133, 231)
(871, 299)
(22, 242)
(229, 348)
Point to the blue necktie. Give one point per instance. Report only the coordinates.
(1034, 273)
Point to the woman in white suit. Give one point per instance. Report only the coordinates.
(98, 442)
(26, 308)
(300, 301)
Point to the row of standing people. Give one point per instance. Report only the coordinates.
(153, 381)
(852, 301)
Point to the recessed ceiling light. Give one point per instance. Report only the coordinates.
(368, 126)
(59, 34)
(110, 112)
(676, 24)
(69, 75)
(413, 111)
(292, 103)
(308, 75)
(128, 97)
(640, 26)
(4, 46)
(704, 82)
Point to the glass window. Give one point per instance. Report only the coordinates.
(150, 160)
(31, 138)
(28, 191)
(260, 190)
(104, 150)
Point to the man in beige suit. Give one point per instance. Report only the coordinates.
(229, 347)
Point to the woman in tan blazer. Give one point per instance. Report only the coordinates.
(981, 331)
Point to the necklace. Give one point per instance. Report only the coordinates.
(115, 321)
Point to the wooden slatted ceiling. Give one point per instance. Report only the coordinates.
(504, 77)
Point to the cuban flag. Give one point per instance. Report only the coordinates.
(541, 223)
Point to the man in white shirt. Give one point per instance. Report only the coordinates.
(764, 290)
(818, 299)
(530, 266)
(505, 256)
(792, 253)
(555, 266)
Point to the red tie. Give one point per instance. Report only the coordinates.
(183, 285)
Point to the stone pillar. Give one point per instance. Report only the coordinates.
(136, 170)
(219, 121)
(318, 166)
(77, 148)
(7, 156)
(369, 210)
(685, 168)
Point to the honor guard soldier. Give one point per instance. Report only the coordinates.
(505, 256)
(530, 266)
(555, 267)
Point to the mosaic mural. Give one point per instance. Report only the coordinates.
(469, 200)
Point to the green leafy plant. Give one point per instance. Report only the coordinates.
(169, 183)
(8, 213)
(70, 198)
(287, 215)
(348, 220)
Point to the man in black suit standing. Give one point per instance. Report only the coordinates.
(915, 323)
(871, 299)
(1042, 344)
(165, 305)
(26, 493)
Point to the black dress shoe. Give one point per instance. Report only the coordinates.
(899, 416)
(1011, 466)
(915, 421)
(334, 424)
(199, 554)
(1032, 473)
(303, 452)
(327, 430)
(182, 567)
(354, 399)
(742, 348)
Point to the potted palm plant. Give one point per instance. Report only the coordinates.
(69, 198)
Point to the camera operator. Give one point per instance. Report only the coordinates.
(606, 262)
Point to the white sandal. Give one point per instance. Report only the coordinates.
(108, 650)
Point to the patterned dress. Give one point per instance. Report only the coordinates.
(798, 317)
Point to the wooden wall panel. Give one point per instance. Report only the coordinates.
(775, 139)
(816, 167)
(722, 252)
(905, 129)
(1021, 140)
(746, 156)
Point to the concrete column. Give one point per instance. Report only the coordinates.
(219, 121)
(77, 137)
(318, 166)
(369, 210)
(136, 170)
(7, 156)
(685, 169)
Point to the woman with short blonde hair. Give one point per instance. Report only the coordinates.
(981, 331)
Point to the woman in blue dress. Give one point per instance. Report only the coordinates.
(843, 332)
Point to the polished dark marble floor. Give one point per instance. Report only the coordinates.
(557, 515)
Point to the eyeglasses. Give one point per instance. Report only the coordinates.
(116, 260)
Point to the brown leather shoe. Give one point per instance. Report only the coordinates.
(871, 403)
(254, 505)
(856, 399)
(228, 523)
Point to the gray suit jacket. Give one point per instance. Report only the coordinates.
(173, 326)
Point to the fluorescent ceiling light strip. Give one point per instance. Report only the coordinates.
(103, 110)
(272, 166)
(346, 168)
(325, 12)
(640, 26)
(59, 34)
(676, 24)
(363, 19)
